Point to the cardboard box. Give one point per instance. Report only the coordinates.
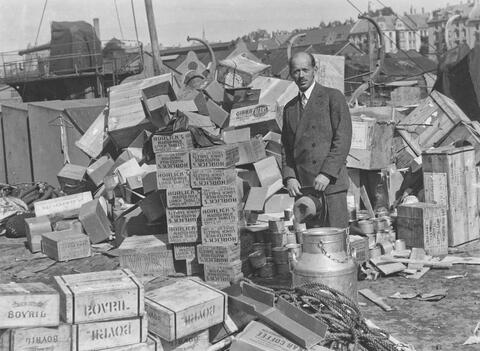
(223, 273)
(185, 252)
(186, 197)
(61, 204)
(183, 233)
(173, 178)
(219, 195)
(330, 71)
(234, 136)
(95, 221)
(212, 177)
(218, 254)
(149, 182)
(239, 71)
(110, 334)
(183, 216)
(37, 338)
(65, 245)
(128, 169)
(173, 160)
(28, 305)
(223, 156)
(448, 178)
(425, 226)
(220, 234)
(214, 91)
(72, 177)
(269, 175)
(35, 227)
(217, 114)
(170, 143)
(99, 296)
(154, 205)
(212, 215)
(99, 169)
(183, 308)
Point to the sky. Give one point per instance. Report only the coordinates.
(222, 20)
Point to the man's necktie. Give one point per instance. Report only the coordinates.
(304, 100)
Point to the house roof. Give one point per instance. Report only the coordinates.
(443, 14)
(325, 35)
(415, 21)
(384, 22)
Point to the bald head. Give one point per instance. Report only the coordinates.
(303, 69)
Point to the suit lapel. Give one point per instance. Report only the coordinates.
(315, 106)
(294, 114)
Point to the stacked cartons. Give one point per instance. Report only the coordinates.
(449, 177)
(213, 172)
(172, 153)
(29, 318)
(105, 310)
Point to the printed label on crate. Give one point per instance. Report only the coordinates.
(359, 135)
(218, 254)
(183, 233)
(217, 215)
(220, 195)
(160, 263)
(37, 339)
(173, 178)
(61, 204)
(175, 142)
(175, 160)
(216, 157)
(436, 190)
(220, 234)
(187, 197)
(202, 177)
(183, 216)
(435, 234)
(222, 273)
(185, 251)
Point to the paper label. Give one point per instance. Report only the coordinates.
(359, 135)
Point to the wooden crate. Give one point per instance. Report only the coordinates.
(183, 216)
(202, 177)
(35, 227)
(223, 273)
(464, 131)
(425, 226)
(183, 233)
(251, 151)
(66, 245)
(186, 197)
(372, 135)
(99, 296)
(61, 204)
(113, 334)
(223, 156)
(183, 308)
(173, 178)
(449, 177)
(175, 142)
(173, 160)
(185, 251)
(28, 305)
(220, 234)
(195, 342)
(95, 221)
(218, 254)
(72, 178)
(37, 338)
(219, 195)
(99, 169)
(360, 245)
(212, 215)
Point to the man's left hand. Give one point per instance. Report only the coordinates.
(321, 182)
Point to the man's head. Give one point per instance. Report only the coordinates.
(303, 69)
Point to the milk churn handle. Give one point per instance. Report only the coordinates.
(320, 246)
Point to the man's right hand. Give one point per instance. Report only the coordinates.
(293, 187)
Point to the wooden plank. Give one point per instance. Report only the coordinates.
(366, 201)
(375, 299)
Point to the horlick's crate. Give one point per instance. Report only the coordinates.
(99, 296)
(183, 216)
(218, 254)
(195, 342)
(220, 234)
(37, 338)
(212, 215)
(223, 273)
(183, 233)
(173, 160)
(424, 225)
(173, 178)
(66, 245)
(219, 195)
(202, 177)
(28, 305)
(223, 156)
(186, 197)
(110, 334)
(183, 308)
(176, 142)
(186, 251)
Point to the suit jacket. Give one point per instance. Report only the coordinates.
(317, 141)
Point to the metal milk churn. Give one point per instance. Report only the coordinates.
(326, 259)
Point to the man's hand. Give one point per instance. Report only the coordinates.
(321, 182)
(293, 187)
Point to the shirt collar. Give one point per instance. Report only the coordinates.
(308, 92)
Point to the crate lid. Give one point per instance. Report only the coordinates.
(447, 150)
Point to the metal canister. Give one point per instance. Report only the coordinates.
(400, 245)
(280, 255)
(257, 259)
(258, 247)
(326, 259)
(366, 226)
(283, 269)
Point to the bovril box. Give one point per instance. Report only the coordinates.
(184, 308)
(37, 338)
(222, 156)
(28, 305)
(100, 296)
(195, 342)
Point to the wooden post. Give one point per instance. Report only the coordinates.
(158, 67)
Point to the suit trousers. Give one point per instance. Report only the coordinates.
(337, 210)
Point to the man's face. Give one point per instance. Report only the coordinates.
(302, 71)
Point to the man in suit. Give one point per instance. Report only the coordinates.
(316, 138)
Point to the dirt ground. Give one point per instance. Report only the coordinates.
(442, 325)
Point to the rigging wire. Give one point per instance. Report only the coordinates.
(134, 20)
(41, 21)
(118, 19)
